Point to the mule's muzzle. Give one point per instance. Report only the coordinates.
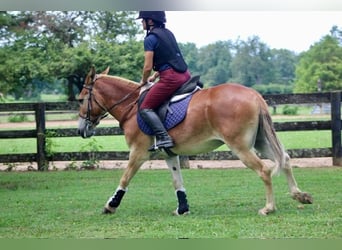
(84, 133)
(85, 128)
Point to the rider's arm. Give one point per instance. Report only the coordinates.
(153, 77)
(148, 66)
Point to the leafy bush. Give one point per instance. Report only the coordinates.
(273, 88)
(93, 147)
(17, 118)
(290, 110)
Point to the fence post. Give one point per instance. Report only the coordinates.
(184, 162)
(336, 128)
(41, 137)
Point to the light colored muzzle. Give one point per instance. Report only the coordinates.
(86, 128)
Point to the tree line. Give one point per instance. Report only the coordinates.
(51, 52)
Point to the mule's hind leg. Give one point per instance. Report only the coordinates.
(296, 193)
(174, 166)
(252, 161)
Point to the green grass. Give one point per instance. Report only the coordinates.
(66, 144)
(223, 203)
(305, 139)
(291, 140)
(29, 117)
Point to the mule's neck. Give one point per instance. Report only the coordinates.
(119, 96)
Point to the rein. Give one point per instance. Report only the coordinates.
(125, 97)
(103, 108)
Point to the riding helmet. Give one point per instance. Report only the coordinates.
(157, 16)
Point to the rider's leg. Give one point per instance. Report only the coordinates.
(152, 120)
(169, 82)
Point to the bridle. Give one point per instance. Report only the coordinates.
(105, 110)
(87, 118)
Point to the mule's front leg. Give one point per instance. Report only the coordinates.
(183, 207)
(114, 201)
(174, 166)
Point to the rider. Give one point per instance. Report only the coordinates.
(163, 55)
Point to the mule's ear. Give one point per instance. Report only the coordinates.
(90, 76)
(92, 72)
(105, 72)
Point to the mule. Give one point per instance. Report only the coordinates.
(229, 113)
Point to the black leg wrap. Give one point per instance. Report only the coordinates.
(115, 202)
(183, 206)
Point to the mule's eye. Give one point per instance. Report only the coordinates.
(80, 101)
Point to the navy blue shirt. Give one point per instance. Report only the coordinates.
(150, 43)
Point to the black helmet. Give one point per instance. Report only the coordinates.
(157, 16)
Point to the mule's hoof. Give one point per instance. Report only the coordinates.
(262, 212)
(303, 198)
(108, 210)
(265, 211)
(178, 213)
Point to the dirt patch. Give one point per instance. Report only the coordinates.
(161, 164)
(53, 124)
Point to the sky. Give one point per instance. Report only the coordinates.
(292, 30)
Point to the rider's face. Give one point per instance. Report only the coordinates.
(143, 21)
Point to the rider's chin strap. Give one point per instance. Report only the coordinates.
(148, 27)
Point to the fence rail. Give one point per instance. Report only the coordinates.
(40, 133)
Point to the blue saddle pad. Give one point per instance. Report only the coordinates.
(174, 116)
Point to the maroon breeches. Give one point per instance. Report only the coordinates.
(169, 82)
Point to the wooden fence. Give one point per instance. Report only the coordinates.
(40, 133)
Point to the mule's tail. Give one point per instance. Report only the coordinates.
(274, 147)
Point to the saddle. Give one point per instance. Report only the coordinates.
(188, 88)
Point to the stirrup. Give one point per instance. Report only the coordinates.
(161, 145)
(154, 145)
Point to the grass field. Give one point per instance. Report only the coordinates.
(291, 140)
(223, 203)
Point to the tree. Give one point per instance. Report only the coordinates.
(336, 33)
(252, 62)
(114, 26)
(214, 63)
(108, 29)
(125, 59)
(24, 65)
(191, 56)
(42, 46)
(248, 62)
(12, 26)
(284, 62)
(320, 67)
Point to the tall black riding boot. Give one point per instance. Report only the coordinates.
(152, 120)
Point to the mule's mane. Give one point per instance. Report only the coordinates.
(120, 80)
